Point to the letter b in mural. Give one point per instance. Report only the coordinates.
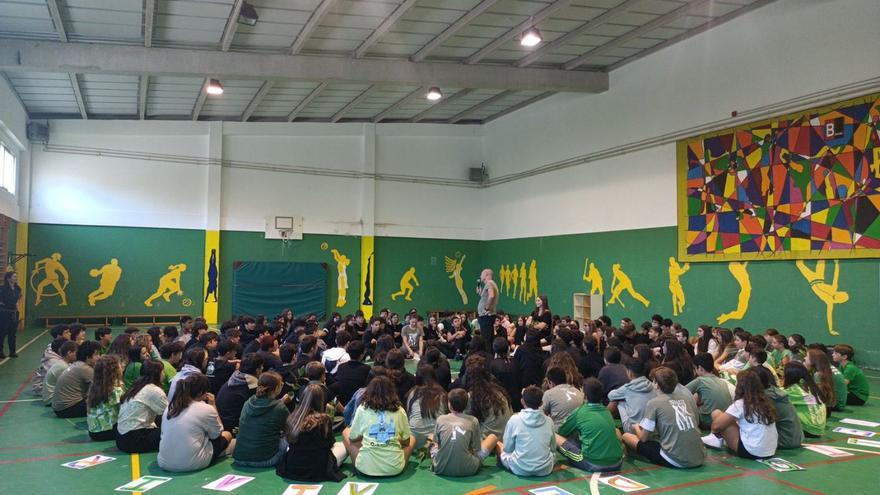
(54, 275)
(169, 285)
(110, 275)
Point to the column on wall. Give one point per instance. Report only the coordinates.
(211, 289)
(368, 221)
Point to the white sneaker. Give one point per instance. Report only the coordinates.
(711, 440)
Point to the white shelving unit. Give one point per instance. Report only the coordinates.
(586, 307)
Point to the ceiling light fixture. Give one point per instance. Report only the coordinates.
(434, 93)
(214, 87)
(248, 14)
(531, 37)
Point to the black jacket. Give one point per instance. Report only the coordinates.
(231, 398)
(349, 378)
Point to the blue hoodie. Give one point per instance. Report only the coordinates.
(632, 399)
(529, 444)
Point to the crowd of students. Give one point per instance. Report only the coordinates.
(277, 393)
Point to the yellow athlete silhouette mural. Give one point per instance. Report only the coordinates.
(514, 277)
(342, 263)
(738, 270)
(675, 273)
(522, 283)
(621, 282)
(406, 285)
(533, 281)
(502, 278)
(454, 267)
(594, 278)
(169, 285)
(110, 275)
(53, 272)
(828, 294)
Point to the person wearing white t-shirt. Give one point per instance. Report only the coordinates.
(748, 426)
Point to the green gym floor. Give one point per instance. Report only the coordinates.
(34, 444)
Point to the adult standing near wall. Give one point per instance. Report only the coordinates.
(10, 295)
(488, 292)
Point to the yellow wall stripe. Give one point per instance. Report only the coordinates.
(211, 289)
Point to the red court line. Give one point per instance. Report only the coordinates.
(48, 457)
(40, 445)
(18, 392)
(791, 485)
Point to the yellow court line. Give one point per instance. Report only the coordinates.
(478, 491)
(135, 468)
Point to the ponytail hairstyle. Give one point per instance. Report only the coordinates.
(309, 414)
(188, 390)
(757, 408)
(151, 374)
(822, 367)
(796, 373)
(267, 384)
(108, 376)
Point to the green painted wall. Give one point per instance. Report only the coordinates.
(252, 246)
(436, 291)
(144, 256)
(781, 298)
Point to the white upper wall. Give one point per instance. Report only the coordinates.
(13, 131)
(778, 52)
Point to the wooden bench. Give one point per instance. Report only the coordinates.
(109, 320)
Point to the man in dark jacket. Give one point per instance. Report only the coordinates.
(238, 389)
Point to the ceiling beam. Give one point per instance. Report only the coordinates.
(635, 33)
(716, 21)
(571, 36)
(517, 30)
(440, 104)
(200, 101)
(479, 106)
(388, 111)
(306, 101)
(48, 56)
(383, 28)
(255, 101)
(55, 12)
(231, 26)
(519, 106)
(143, 86)
(451, 30)
(77, 93)
(149, 20)
(6, 78)
(310, 26)
(353, 103)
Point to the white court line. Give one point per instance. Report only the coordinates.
(29, 342)
(858, 450)
(18, 400)
(594, 484)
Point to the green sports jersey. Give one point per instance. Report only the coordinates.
(856, 382)
(598, 435)
(810, 411)
(776, 359)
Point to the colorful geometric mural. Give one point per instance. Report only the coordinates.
(801, 186)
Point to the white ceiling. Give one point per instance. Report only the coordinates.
(602, 35)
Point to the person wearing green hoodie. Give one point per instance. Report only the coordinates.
(597, 448)
(260, 441)
(630, 399)
(529, 443)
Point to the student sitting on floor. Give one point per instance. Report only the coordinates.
(195, 362)
(379, 440)
(710, 391)
(351, 375)
(424, 404)
(72, 386)
(748, 426)
(240, 387)
(49, 358)
(673, 417)
(312, 453)
(171, 354)
(488, 401)
(594, 443)
(136, 355)
(136, 429)
(788, 427)
(629, 400)
(192, 434)
(829, 379)
(457, 449)
(333, 357)
(103, 398)
(67, 350)
(104, 337)
(804, 395)
(856, 382)
(529, 443)
(561, 399)
(259, 442)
